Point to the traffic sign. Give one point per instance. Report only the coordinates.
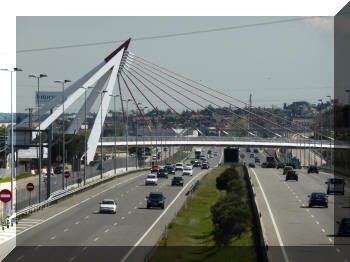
(5, 195)
(66, 174)
(30, 187)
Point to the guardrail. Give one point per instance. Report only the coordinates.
(65, 193)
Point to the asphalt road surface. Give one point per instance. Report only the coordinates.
(73, 230)
(307, 234)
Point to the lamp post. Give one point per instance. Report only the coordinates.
(143, 136)
(101, 165)
(330, 131)
(115, 134)
(15, 69)
(321, 129)
(348, 91)
(137, 164)
(126, 130)
(37, 77)
(85, 127)
(63, 82)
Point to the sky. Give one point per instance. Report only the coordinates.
(276, 63)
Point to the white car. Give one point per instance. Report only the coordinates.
(187, 171)
(154, 157)
(108, 206)
(179, 166)
(151, 179)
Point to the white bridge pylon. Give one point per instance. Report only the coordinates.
(105, 74)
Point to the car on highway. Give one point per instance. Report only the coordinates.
(252, 165)
(205, 165)
(151, 179)
(170, 170)
(197, 164)
(280, 165)
(162, 173)
(203, 158)
(154, 157)
(318, 199)
(177, 181)
(256, 150)
(108, 206)
(59, 169)
(179, 166)
(168, 165)
(187, 171)
(286, 169)
(248, 149)
(344, 226)
(155, 199)
(312, 169)
(264, 165)
(257, 160)
(335, 185)
(154, 169)
(291, 175)
(251, 155)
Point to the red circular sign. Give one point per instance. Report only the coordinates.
(30, 187)
(5, 195)
(67, 174)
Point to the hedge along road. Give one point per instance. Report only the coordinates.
(80, 225)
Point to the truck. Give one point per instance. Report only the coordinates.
(197, 153)
(270, 161)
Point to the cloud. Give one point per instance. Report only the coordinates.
(322, 22)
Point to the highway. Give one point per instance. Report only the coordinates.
(73, 230)
(307, 234)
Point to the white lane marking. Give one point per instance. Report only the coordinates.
(272, 219)
(300, 201)
(317, 222)
(20, 257)
(52, 238)
(84, 248)
(307, 210)
(77, 223)
(87, 217)
(65, 230)
(106, 231)
(330, 240)
(129, 212)
(312, 215)
(140, 203)
(303, 204)
(122, 195)
(135, 207)
(96, 239)
(71, 259)
(38, 246)
(324, 231)
(95, 195)
(338, 250)
(161, 215)
(116, 223)
(123, 218)
(127, 191)
(84, 200)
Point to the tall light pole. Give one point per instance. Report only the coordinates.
(15, 69)
(126, 130)
(143, 136)
(85, 127)
(137, 164)
(101, 165)
(37, 77)
(330, 131)
(321, 125)
(348, 91)
(115, 134)
(63, 82)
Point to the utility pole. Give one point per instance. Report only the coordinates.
(250, 110)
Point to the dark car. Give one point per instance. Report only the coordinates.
(197, 164)
(257, 160)
(291, 175)
(193, 161)
(344, 226)
(177, 181)
(162, 173)
(155, 199)
(256, 150)
(318, 199)
(251, 165)
(280, 165)
(205, 165)
(264, 165)
(170, 170)
(270, 165)
(312, 169)
(59, 169)
(248, 149)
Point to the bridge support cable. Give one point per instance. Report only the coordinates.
(251, 113)
(189, 123)
(211, 102)
(137, 105)
(199, 115)
(226, 95)
(154, 107)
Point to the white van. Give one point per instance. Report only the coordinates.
(335, 185)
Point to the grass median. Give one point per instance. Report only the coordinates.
(190, 236)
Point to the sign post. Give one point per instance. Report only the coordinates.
(5, 196)
(66, 175)
(30, 188)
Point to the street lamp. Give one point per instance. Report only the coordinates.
(126, 130)
(348, 91)
(37, 77)
(143, 136)
(15, 69)
(136, 104)
(115, 134)
(63, 82)
(85, 140)
(330, 132)
(101, 93)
